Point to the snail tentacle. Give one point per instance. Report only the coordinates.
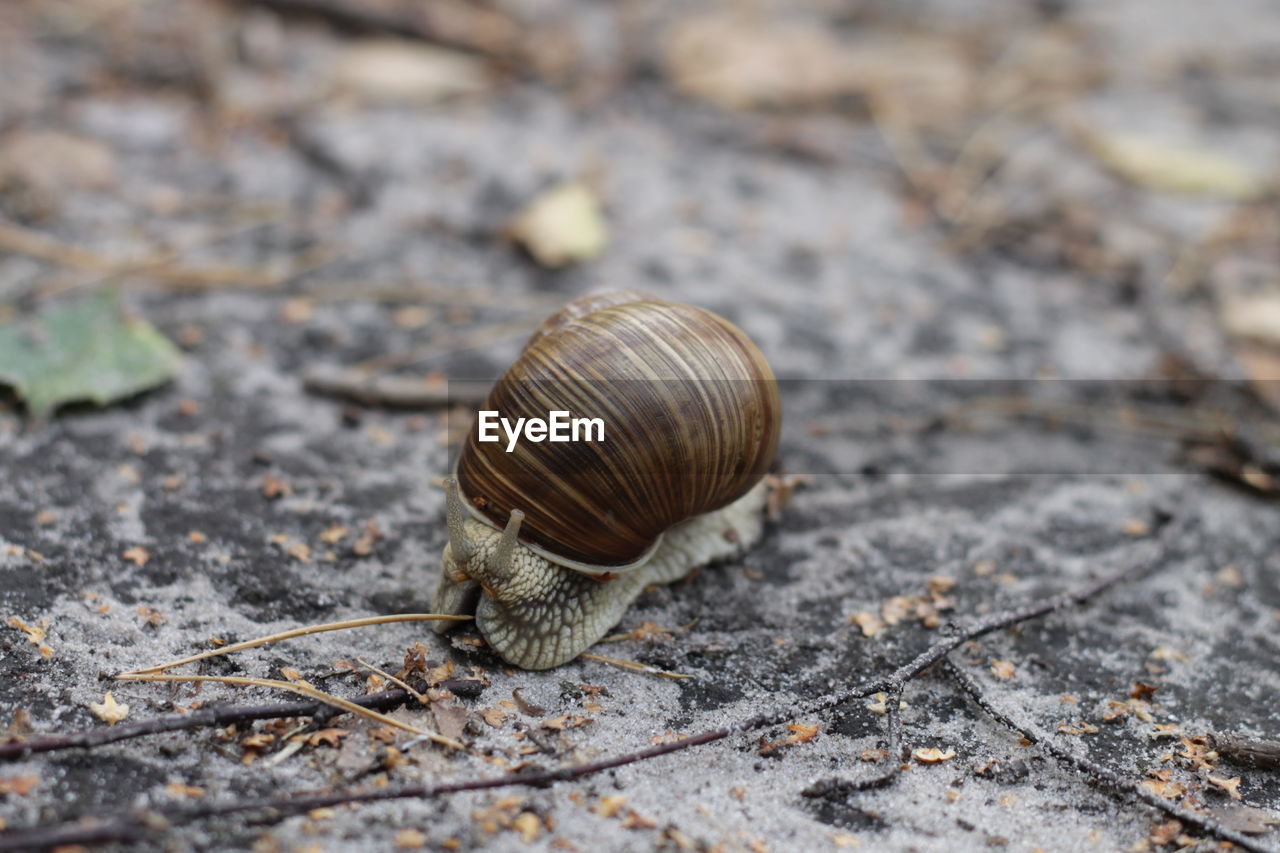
(500, 564)
(456, 517)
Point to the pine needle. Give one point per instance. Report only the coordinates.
(302, 690)
(634, 666)
(297, 632)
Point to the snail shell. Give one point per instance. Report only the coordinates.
(691, 414)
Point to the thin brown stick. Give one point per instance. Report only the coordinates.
(299, 632)
(302, 690)
(1248, 752)
(422, 700)
(159, 267)
(378, 389)
(215, 716)
(479, 30)
(633, 666)
(1096, 772)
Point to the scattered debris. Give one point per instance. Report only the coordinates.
(392, 71)
(562, 226)
(109, 710)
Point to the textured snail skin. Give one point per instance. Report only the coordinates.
(538, 615)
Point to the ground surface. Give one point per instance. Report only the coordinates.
(223, 142)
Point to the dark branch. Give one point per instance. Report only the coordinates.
(1097, 773)
(215, 715)
(1248, 752)
(836, 787)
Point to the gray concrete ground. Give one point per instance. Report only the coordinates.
(224, 144)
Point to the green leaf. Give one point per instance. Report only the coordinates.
(84, 350)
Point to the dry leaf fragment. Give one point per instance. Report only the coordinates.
(634, 820)
(933, 755)
(18, 785)
(868, 622)
(402, 72)
(1230, 786)
(137, 555)
(528, 825)
(1083, 729)
(150, 615)
(494, 717)
(568, 721)
(1160, 165)
(332, 535)
(844, 839)
(802, 733)
(1161, 784)
(1003, 669)
(1254, 316)
(179, 790)
(1165, 833)
(409, 839)
(108, 710)
(300, 551)
(562, 226)
(273, 487)
(747, 62)
(330, 737)
(35, 635)
(609, 806)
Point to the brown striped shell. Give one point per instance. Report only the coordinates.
(691, 419)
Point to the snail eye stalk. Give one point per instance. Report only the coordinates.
(500, 564)
(455, 518)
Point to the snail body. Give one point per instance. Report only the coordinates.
(549, 543)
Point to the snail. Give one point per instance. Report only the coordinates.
(549, 543)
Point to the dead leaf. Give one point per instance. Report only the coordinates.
(751, 62)
(1165, 833)
(332, 535)
(609, 806)
(933, 755)
(329, 737)
(179, 790)
(568, 721)
(494, 717)
(1161, 165)
(868, 622)
(18, 785)
(1229, 786)
(392, 71)
(450, 717)
(634, 820)
(528, 826)
(1252, 316)
(42, 165)
(35, 635)
(1003, 669)
(562, 226)
(410, 839)
(137, 555)
(108, 710)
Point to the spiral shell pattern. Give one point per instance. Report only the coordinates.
(691, 415)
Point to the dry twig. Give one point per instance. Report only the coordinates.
(1097, 773)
